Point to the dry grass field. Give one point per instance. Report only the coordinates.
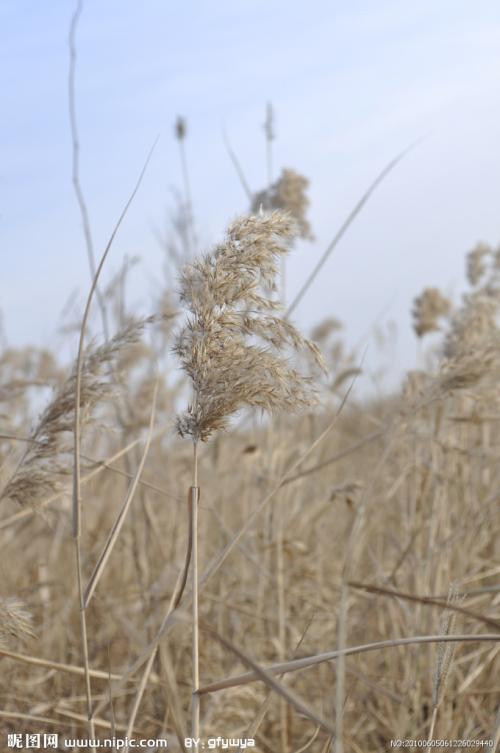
(208, 531)
(367, 525)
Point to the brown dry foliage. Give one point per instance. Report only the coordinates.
(422, 468)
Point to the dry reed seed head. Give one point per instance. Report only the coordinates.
(474, 365)
(45, 462)
(16, 623)
(446, 650)
(473, 324)
(428, 308)
(36, 364)
(288, 194)
(323, 331)
(233, 346)
(21, 368)
(476, 262)
(180, 128)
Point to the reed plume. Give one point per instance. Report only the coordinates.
(45, 463)
(472, 325)
(428, 309)
(233, 345)
(15, 622)
(444, 657)
(476, 263)
(287, 194)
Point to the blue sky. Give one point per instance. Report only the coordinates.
(352, 83)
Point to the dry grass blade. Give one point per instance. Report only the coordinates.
(106, 464)
(309, 742)
(103, 723)
(338, 455)
(32, 718)
(431, 601)
(237, 166)
(311, 661)
(266, 677)
(350, 219)
(57, 666)
(189, 550)
(77, 442)
(82, 204)
(118, 524)
(79, 360)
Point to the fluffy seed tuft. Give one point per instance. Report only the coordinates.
(233, 346)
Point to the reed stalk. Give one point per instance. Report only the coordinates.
(195, 702)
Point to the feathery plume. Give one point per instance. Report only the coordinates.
(288, 194)
(232, 345)
(472, 365)
(15, 622)
(322, 331)
(473, 325)
(476, 267)
(44, 463)
(445, 650)
(428, 308)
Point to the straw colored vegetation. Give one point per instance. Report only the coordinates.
(350, 523)
(260, 551)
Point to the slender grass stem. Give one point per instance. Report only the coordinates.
(83, 633)
(433, 724)
(195, 709)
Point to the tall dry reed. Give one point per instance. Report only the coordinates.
(233, 347)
